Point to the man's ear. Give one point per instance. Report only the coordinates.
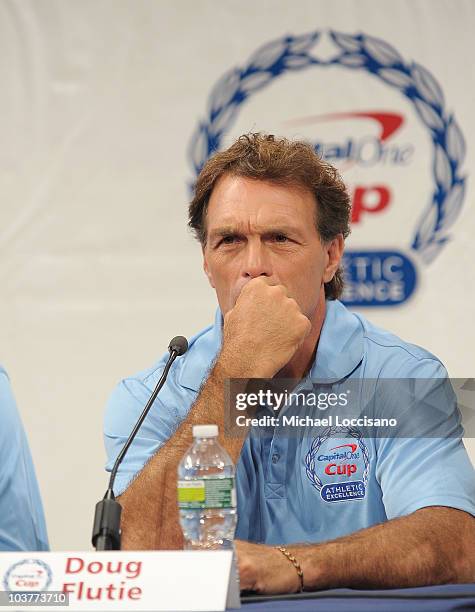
(206, 268)
(334, 252)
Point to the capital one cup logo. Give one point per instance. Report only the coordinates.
(381, 120)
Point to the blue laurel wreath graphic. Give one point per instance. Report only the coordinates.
(315, 447)
(377, 57)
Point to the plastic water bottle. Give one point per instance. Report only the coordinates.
(206, 493)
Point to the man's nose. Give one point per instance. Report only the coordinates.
(256, 262)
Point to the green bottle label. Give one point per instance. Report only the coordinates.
(206, 493)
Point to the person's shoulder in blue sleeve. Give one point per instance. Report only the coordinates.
(430, 467)
(22, 522)
(128, 400)
(387, 355)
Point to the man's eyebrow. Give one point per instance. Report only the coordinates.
(270, 229)
(224, 231)
(281, 229)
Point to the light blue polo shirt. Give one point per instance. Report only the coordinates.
(22, 523)
(289, 488)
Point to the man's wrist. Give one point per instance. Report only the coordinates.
(296, 565)
(231, 365)
(312, 561)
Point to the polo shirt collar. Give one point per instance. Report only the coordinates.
(339, 351)
(340, 346)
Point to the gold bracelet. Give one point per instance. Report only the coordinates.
(294, 562)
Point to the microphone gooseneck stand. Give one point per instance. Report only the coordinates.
(106, 529)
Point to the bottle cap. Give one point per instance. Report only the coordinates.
(205, 431)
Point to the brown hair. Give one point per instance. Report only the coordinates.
(294, 163)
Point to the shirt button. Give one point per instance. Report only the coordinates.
(275, 457)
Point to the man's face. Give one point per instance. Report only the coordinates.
(257, 228)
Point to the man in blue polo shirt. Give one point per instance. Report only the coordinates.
(271, 218)
(22, 523)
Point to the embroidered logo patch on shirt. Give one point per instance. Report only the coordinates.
(338, 466)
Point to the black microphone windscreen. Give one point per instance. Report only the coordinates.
(179, 344)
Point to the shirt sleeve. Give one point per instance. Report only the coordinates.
(427, 469)
(124, 407)
(22, 522)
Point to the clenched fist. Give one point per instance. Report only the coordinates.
(263, 330)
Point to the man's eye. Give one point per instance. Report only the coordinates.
(228, 239)
(280, 238)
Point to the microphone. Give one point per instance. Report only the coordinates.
(106, 528)
(179, 344)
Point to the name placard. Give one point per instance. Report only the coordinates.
(125, 580)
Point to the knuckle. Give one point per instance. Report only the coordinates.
(244, 567)
(302, 321)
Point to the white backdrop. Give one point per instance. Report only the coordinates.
(98, 106)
